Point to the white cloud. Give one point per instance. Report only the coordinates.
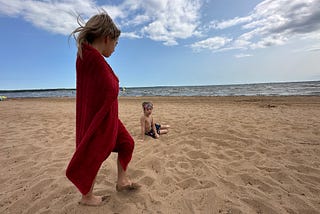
(54, 16)
(11, 8)
(137, 20)
(131, 35)
(313, 48)
(242, 55)
(160, 20)
(274, 23)
(270, 23)
(230, 23)
(213, 43)
(166, 20)
(269, 41)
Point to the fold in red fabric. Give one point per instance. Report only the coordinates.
(98, 128)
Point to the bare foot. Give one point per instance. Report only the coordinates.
(124, 181)
(126, 184)
(93, 200)
(129, 187)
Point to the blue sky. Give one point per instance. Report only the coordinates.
(165, 42)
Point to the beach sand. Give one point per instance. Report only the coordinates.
(222, 155)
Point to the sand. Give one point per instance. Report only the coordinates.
(222, 155)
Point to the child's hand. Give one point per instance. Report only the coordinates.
(157, 135)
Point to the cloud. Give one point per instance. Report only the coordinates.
(313, 48)
(213, 43)
(230, 23)
(273, 23)
(165, 20)
(160, 20)
(131, 35)
(54, 16)
(269, 41)
(242, 55)
(270, 23)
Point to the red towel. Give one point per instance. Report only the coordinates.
(97, 123)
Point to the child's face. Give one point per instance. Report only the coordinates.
(147, 111)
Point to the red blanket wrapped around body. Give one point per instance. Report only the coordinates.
(97, 122)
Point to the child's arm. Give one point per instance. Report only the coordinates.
(155, 129)
(143, 127)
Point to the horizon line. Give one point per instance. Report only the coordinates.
(157, 86)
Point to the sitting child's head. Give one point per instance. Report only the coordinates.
(147, 107)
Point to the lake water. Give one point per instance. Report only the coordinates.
(311, 88)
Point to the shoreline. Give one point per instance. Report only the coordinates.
(186, 97)
(302, 99)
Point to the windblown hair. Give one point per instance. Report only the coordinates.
(146, 105)
(97, 26)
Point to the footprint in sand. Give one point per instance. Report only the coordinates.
(256, 183)
(188, 183)
(147, 181)
(198, 155)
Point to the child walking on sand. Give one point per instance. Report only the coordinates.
(148, 127)
(99, 130)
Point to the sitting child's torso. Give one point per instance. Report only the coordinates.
(148, 123)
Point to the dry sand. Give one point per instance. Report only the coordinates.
(222, 155)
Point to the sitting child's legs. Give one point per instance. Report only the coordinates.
(164, 129)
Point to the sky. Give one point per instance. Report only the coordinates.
(164, 42)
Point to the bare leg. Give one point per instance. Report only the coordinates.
(124, 183)
(123, 179)
(90, 199)
(164, 129)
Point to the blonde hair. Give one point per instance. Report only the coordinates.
(97, 26)
(146, 105)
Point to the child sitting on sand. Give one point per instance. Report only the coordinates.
(148, 127)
